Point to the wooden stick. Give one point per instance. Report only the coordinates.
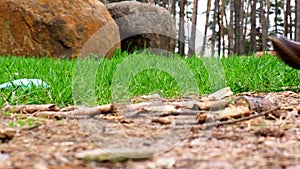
(79, 111)
(240, 119)
(216, 123)
(228, 113)
(29, 109)
(210, 105)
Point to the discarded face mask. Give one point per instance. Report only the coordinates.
(24, 83)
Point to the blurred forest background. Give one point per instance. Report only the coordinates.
(231, 27)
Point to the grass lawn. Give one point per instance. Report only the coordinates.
(167, 77)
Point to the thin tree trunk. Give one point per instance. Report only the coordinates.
(226, 19)
(158, 3)
(170, 7)
(247, 13)
(276, 17)
(253, 27)
(268, 15)
(206, 26)
(230, 29)
(243, 16)
(193, 33)
(263, 26)
(242, 40)
(222, 26)
(298, 21)
(237, 23)
(219, 32)
(289, 18)
(213, 27)
(284, 18)
(181, 42)
(164, 3)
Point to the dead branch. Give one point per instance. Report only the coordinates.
(257, 104)
(192, 124)
(29, 109)
(78, 111)
(161, 120)
(213, 105)
(228, 113)
(209, 105)
(240, 119)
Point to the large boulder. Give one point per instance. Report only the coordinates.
(56, 28)
(143, 25)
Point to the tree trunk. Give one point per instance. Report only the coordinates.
(298, 21)
(172, 7)
(284, 19)
(276, 17)
(230, 30)
(268, 15)
(264, 35)
(158, 2)
(193, 33)
(213, 27)
(237, 24)
(219, 31)
(252, 46)
(247, 14)
(289, 18)
(242, 40)
(181, 42)
(222, 27)
(206, 27)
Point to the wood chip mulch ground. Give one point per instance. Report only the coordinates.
(247, 130)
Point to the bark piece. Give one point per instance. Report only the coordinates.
(146, 98)
(7, 134)
(290, 108)
(196, 105)
(271, 132)
(113, 117)
(116, 155)
(256, 103)
(226, 114)
(163, 108)
(29, 108)
(221, 94)
(161, 120)
(213, 105)
(138, 106)
(79, 111)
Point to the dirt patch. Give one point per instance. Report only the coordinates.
(270, 141)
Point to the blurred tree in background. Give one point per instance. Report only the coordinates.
(238, 27)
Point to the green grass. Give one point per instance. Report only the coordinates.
(266, 74)
(123, 77)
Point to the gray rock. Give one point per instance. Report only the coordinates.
(144, 25)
